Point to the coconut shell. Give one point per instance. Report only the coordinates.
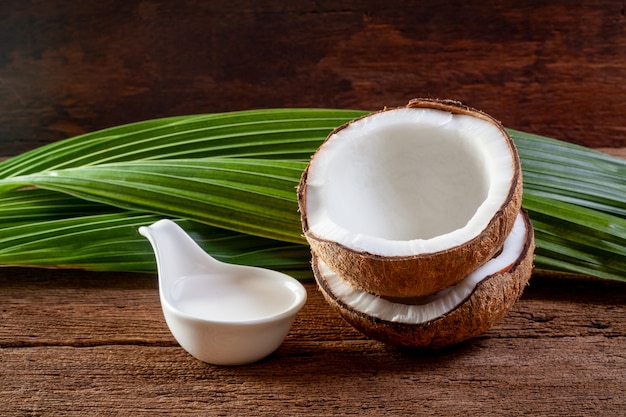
(421, 274)
(492, 298)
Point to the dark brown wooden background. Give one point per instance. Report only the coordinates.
(550, 67)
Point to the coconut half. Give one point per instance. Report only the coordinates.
(453, 315)
(408, 201)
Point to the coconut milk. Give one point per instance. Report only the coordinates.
(230, 298)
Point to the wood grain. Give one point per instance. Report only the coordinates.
(554, 68)
(75, 343)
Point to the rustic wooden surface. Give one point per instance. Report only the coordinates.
(96, 344)
(78, 343)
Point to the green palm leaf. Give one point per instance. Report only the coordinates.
(246, 195)
(577, 239)
(278, 134)
(236, 173)
(571, 173)
(110, 241)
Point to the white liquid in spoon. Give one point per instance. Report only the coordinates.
(230, 298)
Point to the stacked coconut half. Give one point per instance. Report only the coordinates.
(414, 220)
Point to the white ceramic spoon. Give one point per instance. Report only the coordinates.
(220, 313)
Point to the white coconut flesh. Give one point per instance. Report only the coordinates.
(408, 181)
(435, 305)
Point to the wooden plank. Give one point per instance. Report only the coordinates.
(76, 308)
(555, 377)
(95, 343)
(554, 68)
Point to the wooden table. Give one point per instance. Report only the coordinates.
(87, 343)
(96, 344)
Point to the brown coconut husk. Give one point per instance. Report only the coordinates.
(422, 274)
(492, 298)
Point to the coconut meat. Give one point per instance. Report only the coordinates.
(408, 181)
(435, 305)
